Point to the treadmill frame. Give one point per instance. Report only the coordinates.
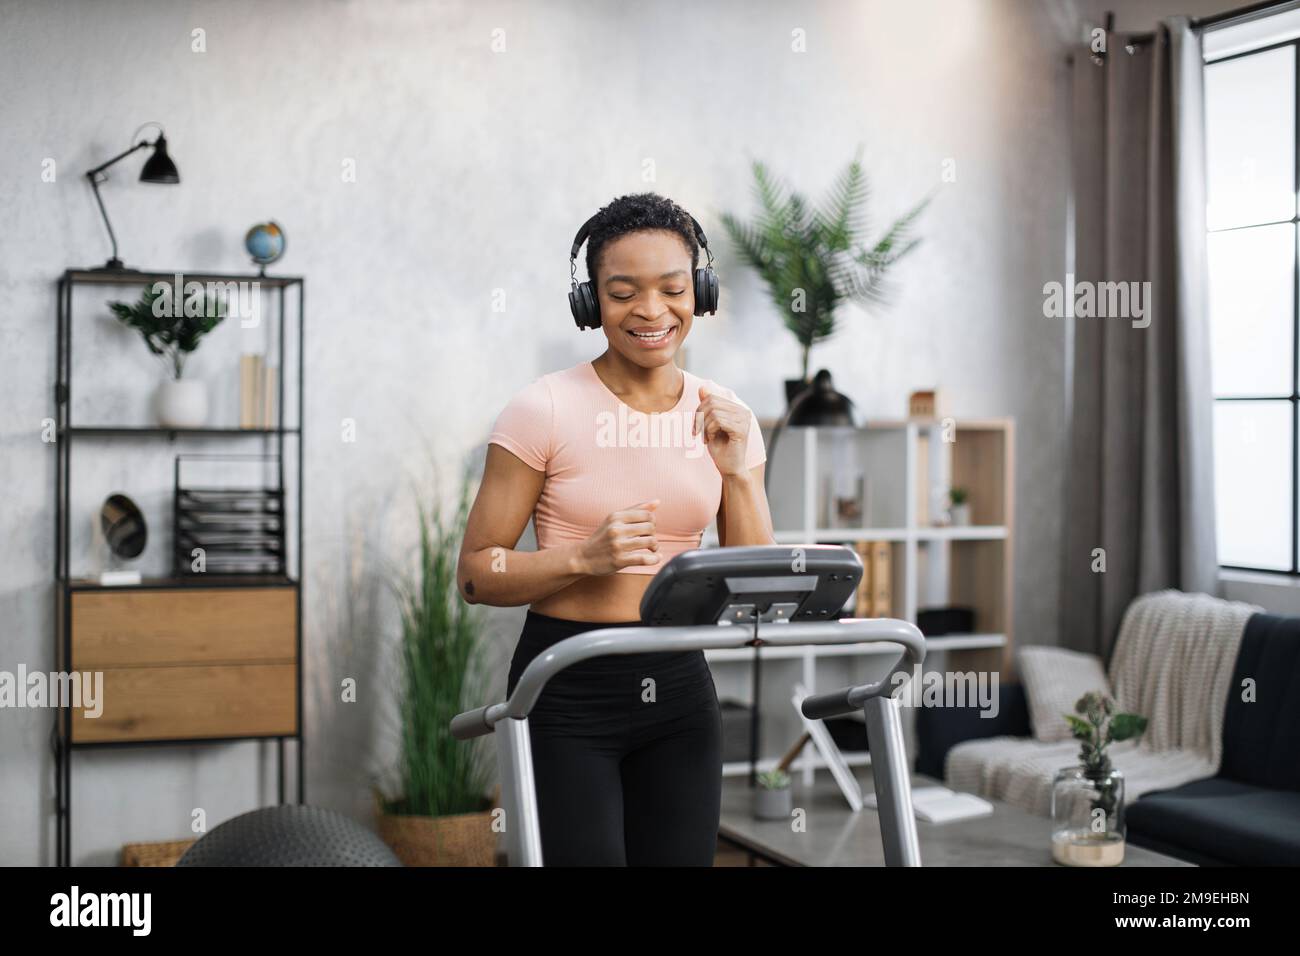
(509, 719)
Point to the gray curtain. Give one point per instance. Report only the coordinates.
(1140, 480)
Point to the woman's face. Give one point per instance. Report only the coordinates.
(646, 295)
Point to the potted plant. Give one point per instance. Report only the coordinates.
(811, 257)
(959, 513)
(1088, 800)
(772, 798)
(172, 330)
(439, 815)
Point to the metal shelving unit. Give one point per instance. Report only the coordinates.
(283, 290)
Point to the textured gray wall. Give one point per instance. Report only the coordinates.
(473, 170)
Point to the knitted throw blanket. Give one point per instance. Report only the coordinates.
(1173, 664)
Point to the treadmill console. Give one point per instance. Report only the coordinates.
(770, 583)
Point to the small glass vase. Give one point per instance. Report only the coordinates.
(1088, 818)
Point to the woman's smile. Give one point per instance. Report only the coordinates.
(655, 338)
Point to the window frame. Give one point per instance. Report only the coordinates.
(1294, 397)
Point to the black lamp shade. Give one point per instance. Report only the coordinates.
(159, 168)
(820, 405)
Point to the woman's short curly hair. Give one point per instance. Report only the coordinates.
(634, 213)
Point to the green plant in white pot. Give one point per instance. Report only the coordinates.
(772, 798)
(440, 815)
(811, 257)
(172, 327)
(959, 511)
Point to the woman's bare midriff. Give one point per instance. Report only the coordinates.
(603, 599)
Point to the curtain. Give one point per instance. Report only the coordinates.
(1139, 505)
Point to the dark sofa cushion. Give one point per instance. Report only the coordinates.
(939, 729)
(1261, 739)
(1219, 820)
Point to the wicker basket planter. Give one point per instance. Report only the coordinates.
(165, 853)
(464, 839)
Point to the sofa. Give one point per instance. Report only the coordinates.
(1247, 813)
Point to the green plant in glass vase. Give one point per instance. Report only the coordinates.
(1088, 799)
(1096, 728)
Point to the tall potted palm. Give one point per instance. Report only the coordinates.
(811, 256)
(440, 815)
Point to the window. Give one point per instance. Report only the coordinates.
(1253, 174)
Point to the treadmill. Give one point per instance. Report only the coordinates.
(769, 595)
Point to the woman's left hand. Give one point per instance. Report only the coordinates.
(725, 427)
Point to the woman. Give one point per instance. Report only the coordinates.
(622, 462)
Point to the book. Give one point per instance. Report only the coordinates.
(863, 603)
(941, 805)
(250, 382)
(882, 587)
(268, 394)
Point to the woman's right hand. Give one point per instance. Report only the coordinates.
(624, 539)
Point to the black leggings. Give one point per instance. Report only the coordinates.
(627, 754)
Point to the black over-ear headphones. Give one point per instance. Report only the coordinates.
(586, 307)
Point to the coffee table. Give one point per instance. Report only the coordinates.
(836, 836)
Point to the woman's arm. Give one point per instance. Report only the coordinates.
(743, 516)
(491, 571)
(725, 425)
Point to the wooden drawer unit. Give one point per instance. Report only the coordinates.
(182, 663)
(182, 626)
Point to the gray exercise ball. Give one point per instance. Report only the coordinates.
(290, 835)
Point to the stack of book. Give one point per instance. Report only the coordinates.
(875, 597)
(257, 384)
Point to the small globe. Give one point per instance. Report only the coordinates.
(265, 243)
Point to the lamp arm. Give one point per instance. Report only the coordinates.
(103, 212)
(94, 184)
(93, 175)
(118, 158)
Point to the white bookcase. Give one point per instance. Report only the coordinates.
(906, 469)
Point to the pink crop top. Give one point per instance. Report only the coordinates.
(600, 456)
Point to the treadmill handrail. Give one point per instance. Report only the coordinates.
(638, 640)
